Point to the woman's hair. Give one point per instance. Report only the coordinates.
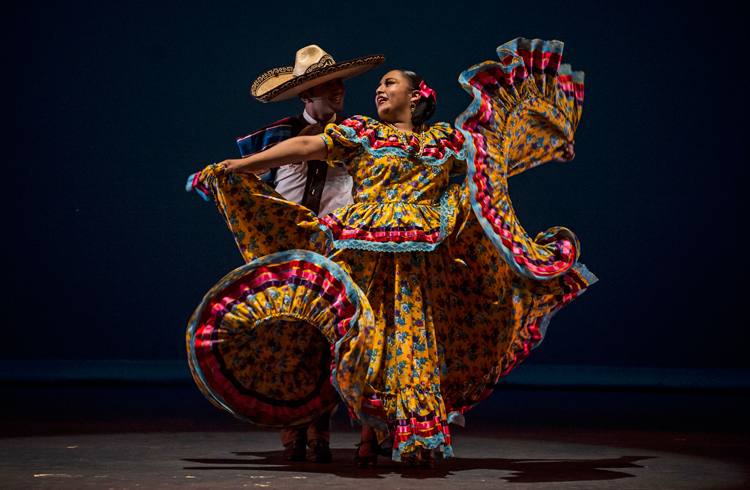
(426, 105)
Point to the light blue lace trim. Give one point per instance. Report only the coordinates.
(385, 247)
(543, 325)
(400, 152)
(189, 187)
(435, 442)
(395, 247)
(587, 275)
(456, 417)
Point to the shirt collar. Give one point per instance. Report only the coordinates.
(311, 120)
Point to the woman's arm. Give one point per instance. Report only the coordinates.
(293, 150)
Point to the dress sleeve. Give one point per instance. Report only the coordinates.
(344, 141)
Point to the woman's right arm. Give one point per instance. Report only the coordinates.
(293, 150)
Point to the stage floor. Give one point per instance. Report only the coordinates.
(75, 437)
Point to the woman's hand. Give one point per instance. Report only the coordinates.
(234, 166)
(566, 153)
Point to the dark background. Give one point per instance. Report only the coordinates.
(107, 107)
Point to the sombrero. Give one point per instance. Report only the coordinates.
(312, 66)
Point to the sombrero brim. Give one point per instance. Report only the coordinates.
(280, 84)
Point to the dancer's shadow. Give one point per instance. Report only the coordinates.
(523, 470)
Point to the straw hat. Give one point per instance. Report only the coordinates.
(312, 66)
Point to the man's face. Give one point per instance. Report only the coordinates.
(326, 98)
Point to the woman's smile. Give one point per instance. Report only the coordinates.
(393, 96)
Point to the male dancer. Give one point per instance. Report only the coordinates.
(318, 81)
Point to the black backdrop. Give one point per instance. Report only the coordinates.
(108, 106)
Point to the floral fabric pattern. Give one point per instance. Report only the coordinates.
(261, 221)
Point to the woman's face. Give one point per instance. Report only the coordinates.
(393, 97)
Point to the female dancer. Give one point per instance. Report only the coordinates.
(428, 292)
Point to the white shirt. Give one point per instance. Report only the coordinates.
(337, 192)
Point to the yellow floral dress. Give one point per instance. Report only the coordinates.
(411, 303)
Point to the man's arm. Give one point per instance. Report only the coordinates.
(268, 136)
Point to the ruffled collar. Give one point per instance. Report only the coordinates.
(440, 141)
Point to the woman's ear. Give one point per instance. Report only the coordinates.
(415, 96)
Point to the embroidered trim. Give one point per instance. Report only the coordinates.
(326, 60)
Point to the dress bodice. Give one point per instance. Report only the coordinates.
(402, 197)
